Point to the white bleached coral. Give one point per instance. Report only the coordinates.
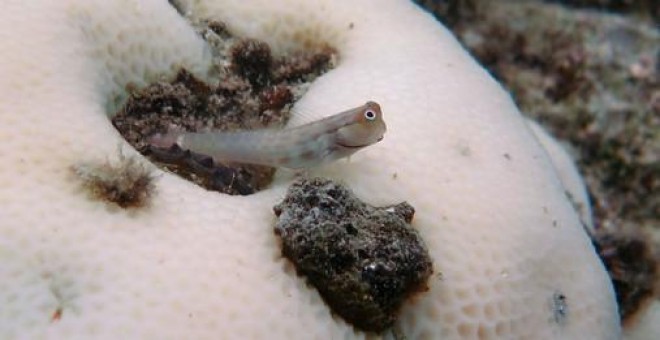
(567, 172)
(511, 256)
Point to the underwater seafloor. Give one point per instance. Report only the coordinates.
(589, 72)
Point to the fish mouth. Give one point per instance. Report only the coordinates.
(352, 146)
(360, 145)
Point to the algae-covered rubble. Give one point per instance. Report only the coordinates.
(365, 261)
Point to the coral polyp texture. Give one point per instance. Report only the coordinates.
(510, 257)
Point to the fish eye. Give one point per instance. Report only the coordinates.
(370, 115)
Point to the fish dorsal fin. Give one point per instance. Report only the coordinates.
(303, 115)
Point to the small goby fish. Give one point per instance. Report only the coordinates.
(303, 146)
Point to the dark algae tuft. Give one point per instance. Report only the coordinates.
(127, 184)
(365, 261)
(252, 89)
(252, 60)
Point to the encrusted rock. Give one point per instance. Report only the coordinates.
(365, 261)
